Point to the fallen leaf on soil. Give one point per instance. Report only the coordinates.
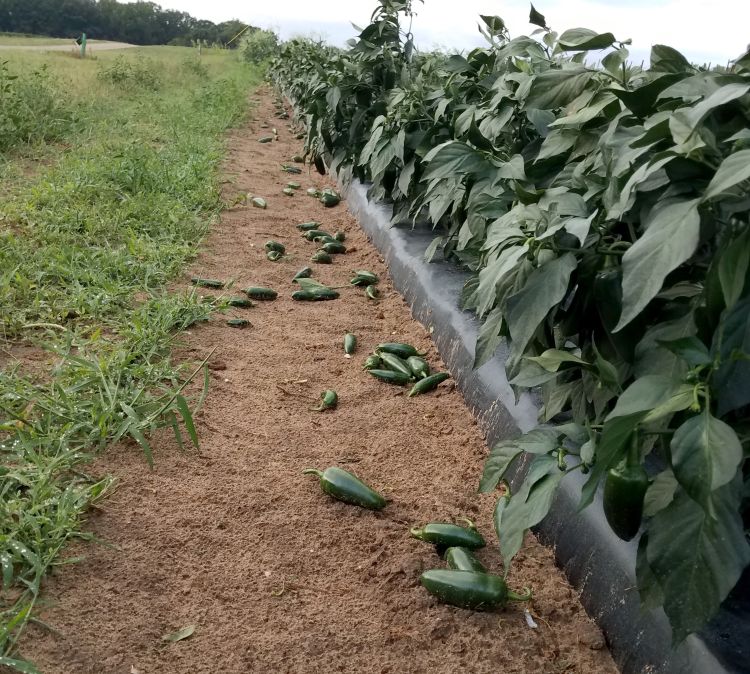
(179, 635)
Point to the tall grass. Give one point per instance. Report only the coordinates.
(30, 111)
(115, 209)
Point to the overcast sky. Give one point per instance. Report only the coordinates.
(704, 30)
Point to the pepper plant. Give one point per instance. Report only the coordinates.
(603, 211)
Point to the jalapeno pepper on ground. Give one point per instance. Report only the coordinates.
(305, 272)
(462, 559)
(329, 400)
(393, 362)
(428, 383)
(390, 376)
(419, 367)
(350, 343)
(450, 535)
(362, 277)
(259, 293)
(372, 362)
(399, 349)
(469, 589)
(343, 486)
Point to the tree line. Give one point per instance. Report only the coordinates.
(138, 22)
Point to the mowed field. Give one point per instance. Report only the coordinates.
(211, 551)
(14, 40)
(108, 182)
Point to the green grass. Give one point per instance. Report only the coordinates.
(15, 39)
(104, 198)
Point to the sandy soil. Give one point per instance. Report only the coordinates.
(233, 539)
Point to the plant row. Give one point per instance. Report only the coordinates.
(603, 211)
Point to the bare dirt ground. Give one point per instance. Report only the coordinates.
(233, 539)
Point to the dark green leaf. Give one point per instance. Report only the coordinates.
(690, 349)
(685, 121)
(452, 158)
(667, 60)
(733, 170)
(611, 448)
(22, 666)
(651, 358)
(613, 61)
(538, 441)
(557, 88)
(404, 178)
(529, 505)
(671, 237)
(456, 63)
(583, 39)
(187, 418)
(477, 139)
(576, 433)
(557, 142)
(706, 453)
(552, 359)
(608, 374)
(495, 25)
(733, 267)
(493, 274)
(501, 456)
(742, 62)
(588, 450)
(432, 249)
(172, 420)
(545, 288)
(536, 18)
(696, 558)
(660, 493)
(531, 374)
(655, 395)
(648, 584)
(489, 337)
(731, 382)
(641, 99)
(628, 193)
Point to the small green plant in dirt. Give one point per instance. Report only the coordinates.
(87, 246)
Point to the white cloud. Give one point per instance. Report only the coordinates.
(703, 30)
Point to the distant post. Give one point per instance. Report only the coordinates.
(83, 45)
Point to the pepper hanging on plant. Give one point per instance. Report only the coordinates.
(624, 492)
(608, 300)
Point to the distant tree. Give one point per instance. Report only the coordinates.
(139, 22)
(259, 45)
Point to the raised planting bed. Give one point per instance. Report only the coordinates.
(598, 563)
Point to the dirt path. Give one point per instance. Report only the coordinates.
(233, 539)
(92, 45)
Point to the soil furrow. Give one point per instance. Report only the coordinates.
(232, 538)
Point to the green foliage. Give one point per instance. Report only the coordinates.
(604, 215)
(87, 246)
(259, 45)
(30, 109)
(139, 22)
(131, 72)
